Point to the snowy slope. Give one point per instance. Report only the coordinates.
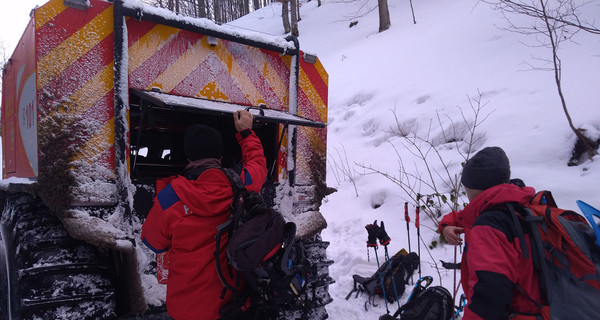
(425, 74)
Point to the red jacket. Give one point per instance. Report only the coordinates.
(492, 262)
(184, 220)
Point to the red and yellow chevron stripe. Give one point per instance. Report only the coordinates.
(182, 63)
(75, 72)
(312, 104)
(74, 53)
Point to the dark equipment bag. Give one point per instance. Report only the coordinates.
(400, 267)
(260, 247)
(425, 303)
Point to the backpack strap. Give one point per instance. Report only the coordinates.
(518, 229)
(422, 284)
(356, 288)
(411, 301)
(236, 183)
(225, 227)
(537, 247)
(238, 188)
(537, 304)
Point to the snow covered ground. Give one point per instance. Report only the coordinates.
(426, 75)
(424, 78)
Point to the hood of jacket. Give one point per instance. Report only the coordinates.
(207, 196)
(493, 197)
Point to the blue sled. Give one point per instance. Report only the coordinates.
(589, 212)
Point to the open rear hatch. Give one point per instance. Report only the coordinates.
(158, 122)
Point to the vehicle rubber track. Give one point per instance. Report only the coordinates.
(311, 306)
(51, 275)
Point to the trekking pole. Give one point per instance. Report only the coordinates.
(372, 230)
(381, 280)
(418, 239)
(407, 218)
(384, 240)
(455, 291)
(393, 278)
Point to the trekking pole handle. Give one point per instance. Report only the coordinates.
(417, 219)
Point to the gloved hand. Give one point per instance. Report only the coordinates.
(383, 237)
(372, 237)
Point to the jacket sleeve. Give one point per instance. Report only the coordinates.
(156, 230)
(449, 219)
(254, 170)
(493, 270)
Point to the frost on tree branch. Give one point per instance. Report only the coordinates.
(433, 183)
(554, 21)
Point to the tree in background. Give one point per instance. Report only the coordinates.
(384, 15)
(219, 11)
(365, 7)
(285, 15)
(3, 60)
(290, 12)
(223, 11)
(555, 21)
(295, 15)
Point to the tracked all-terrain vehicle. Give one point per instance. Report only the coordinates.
(95, 101)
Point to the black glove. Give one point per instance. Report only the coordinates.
(372, 237)
(383, 237)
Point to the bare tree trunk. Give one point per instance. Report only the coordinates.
(246, 7)
(413, 12)
(201, 9)
(298, 2)
(318, 3)
(554, 23)
(285, 16)
(4, 58)
(216, 11)
(294, 14)
(384, 15)
(588, 144)
(567, 15)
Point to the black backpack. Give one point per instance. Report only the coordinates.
(399, 268)
(425, 303)
(259, 246)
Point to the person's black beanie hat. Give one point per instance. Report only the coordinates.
(201, 142)
(489, 167)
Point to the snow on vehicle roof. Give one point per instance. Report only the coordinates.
(266, 115)
(247, 34)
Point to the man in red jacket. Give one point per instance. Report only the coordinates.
(498, 281)
(186, 213)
